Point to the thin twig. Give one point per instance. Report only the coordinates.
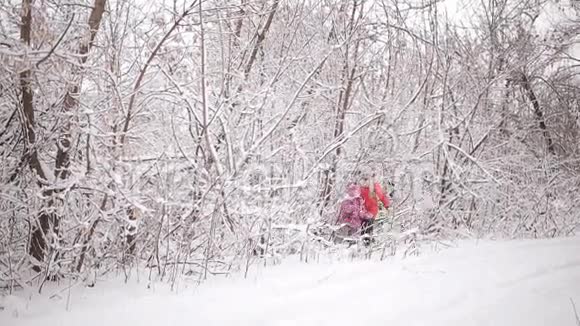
(144, 70)
(575, 312)
(57, 42)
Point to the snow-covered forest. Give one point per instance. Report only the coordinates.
(199, 137)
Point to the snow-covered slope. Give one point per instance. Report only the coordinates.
(486, 283)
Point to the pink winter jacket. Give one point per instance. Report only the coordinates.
(353, 212)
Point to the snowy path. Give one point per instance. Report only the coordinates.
(491, 283)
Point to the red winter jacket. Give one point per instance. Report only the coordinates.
(371, 203)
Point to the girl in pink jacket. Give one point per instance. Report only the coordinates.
(352, 210)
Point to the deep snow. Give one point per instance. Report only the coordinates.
(531, 282)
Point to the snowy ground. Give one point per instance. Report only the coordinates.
(486, 283)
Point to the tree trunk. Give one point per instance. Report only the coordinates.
(538, 112)
(70, 99)
(261, 36)
(40, 224)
